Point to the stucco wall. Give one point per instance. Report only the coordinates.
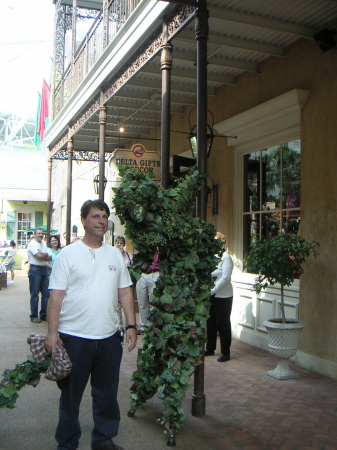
(304, 66)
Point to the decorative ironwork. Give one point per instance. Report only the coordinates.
(148, 50)
(105, 12)
(106, 26)
(63, 141)
(79, 155)
(178, 18)
(59, 42)
(81, 120)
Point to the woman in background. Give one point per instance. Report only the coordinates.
(221, 306)
(120, 244)
(9, 261)
(54, 249)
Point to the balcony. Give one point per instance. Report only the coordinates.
(105, 27)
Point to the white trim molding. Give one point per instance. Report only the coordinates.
(270, 123)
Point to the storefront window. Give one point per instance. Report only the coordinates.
(271, 192)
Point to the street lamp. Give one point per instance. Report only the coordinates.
(192, 137)
(194, 143)
(96, 184)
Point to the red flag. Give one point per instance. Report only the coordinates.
(44, 109)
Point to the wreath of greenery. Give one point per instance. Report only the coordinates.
(174, 338)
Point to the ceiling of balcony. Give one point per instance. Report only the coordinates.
(242, 34)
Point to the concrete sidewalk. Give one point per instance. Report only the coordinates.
(31, 424)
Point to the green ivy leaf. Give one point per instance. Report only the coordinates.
(8, 390)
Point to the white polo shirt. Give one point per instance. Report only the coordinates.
(91, 279)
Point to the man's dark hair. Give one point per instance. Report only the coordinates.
(38, 228)
(98, 204)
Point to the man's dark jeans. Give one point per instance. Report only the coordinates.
(38, 282)
(100, 359)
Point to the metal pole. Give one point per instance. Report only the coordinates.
(69, 188)
(73, 46)
(102, 142)
(105, 23)
(201, 35)
(166, 68)
(49, 209)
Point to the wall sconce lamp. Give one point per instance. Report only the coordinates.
(192, 137)
(96, 183)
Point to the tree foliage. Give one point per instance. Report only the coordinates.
(278, 260)
(173, 340)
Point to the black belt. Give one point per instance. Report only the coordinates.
(36, 265)
(151, 271)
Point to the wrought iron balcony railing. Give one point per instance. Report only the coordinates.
(105, 28)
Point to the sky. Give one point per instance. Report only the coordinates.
(26, 49)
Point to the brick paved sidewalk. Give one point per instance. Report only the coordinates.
(247, 409)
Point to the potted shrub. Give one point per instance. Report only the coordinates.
(279, 261)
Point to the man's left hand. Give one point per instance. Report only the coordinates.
(131, 338)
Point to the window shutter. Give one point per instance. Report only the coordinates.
(38, 218)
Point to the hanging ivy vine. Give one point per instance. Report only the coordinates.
(26, 373)
(156, 219)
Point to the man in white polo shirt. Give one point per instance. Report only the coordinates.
(87, 279)
(38, 277)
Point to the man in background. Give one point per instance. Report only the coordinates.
(38, 277)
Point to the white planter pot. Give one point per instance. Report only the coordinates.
(283, 343)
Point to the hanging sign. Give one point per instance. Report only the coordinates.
(145, 161)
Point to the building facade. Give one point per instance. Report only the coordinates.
(271, 104)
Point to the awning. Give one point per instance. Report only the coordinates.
(43, 227)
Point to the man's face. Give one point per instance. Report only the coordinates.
(96, 222)
(38, 235)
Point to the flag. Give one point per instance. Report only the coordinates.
(36, 135)
(44, 109)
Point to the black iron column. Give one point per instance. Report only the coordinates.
(166, 68)
(102, 143)
(69, 188)
(49, 208)
(201, 35)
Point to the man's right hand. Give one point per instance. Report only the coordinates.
(51, 342)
